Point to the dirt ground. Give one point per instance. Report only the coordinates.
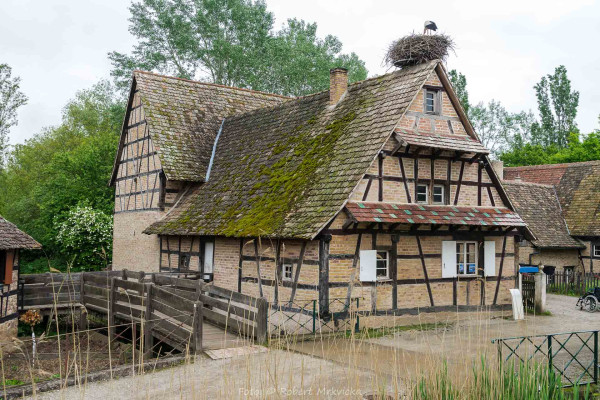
(73, 355)
(361, 366)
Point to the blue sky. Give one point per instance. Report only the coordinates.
(58, 47)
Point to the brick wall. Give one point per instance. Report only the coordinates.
(132, 249)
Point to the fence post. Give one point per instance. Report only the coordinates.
(148, 339)
(314, 316)
(357, 325)
(540, 292)
(197, 327)
(262, 327)
(82, 309)
(550, 353)
(111, 309)
(596, 357)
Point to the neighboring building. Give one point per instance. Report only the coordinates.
(379, 190)
(11, 241)
(551, 197)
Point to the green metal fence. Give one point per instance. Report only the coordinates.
(305, 317)
(573, 355)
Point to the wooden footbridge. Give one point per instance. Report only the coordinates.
(179, 310)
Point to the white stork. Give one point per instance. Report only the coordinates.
(429, 26)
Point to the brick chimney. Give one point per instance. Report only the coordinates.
(498, 166)
(338, 84)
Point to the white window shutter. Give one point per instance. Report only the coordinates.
(489, 258)
(208, 257)
(368, 265)
(448, 259)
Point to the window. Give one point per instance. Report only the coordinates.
(438, 194)
(597, 250)
(466, 258)
(287, 270)
(383, 265)
(430, 102)
(184, 261)
(422, 194)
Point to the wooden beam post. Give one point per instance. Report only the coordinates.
(111, 309)
(197, 327)
(257, 257)
(426, 276)
(82, 309)
(297, 274)
(394, 270)
(148, 339)
(262, 331)
(500, 270)
(324, 274)
(240, 265)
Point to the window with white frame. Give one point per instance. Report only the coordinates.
(383, 271)
(438, 194)
(422, 194)
(430, 102)
(287, 270)
(597, 250)
(466, 258)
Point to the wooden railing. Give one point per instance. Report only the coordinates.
(572, 283)
(169, 308)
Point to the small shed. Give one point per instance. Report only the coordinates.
(11, 241)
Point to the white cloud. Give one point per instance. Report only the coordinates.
(60, 46)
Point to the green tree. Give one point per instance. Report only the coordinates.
(231, 42)
(459, 84)
(498, 128)
(557, 105)
(11, 98)
(64, 167)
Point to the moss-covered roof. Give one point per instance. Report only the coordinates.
(184, 116)
(287, 170)
(578, 189)
(538, 205)
(12, 238)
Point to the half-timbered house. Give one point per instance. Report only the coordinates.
(379, 190)
(561, 204)
(11, 241)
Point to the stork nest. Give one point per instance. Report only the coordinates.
(417, 49)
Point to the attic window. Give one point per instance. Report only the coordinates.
(432, 102)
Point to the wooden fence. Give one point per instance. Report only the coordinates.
(572, 283)
(167, 307)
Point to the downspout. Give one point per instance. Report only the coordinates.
(214, 151)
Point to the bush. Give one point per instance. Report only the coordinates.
(85, 236)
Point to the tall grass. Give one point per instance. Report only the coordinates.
(523, 382)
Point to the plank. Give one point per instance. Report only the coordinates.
(229, 323)
(172, 312)
(95, 290)
(170, 298)
(129, 285)
(129, 298)
(95, 301)
(228, 307)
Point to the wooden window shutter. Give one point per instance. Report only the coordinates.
(368, 265)
(438, 103)
(3, 263)
(449, 259)
(489, 258)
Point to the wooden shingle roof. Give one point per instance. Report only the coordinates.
(463, 143)
(12, 238)
(287, 170)
(184, 116)
(433, 214)
(578, 189)
(538, 205)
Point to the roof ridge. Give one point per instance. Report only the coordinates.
(526, 183)
(213, 84)
(552, 166)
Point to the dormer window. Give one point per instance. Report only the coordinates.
(432, 102)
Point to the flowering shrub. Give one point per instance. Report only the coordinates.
(85, 236)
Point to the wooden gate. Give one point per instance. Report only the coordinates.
(528, 291)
